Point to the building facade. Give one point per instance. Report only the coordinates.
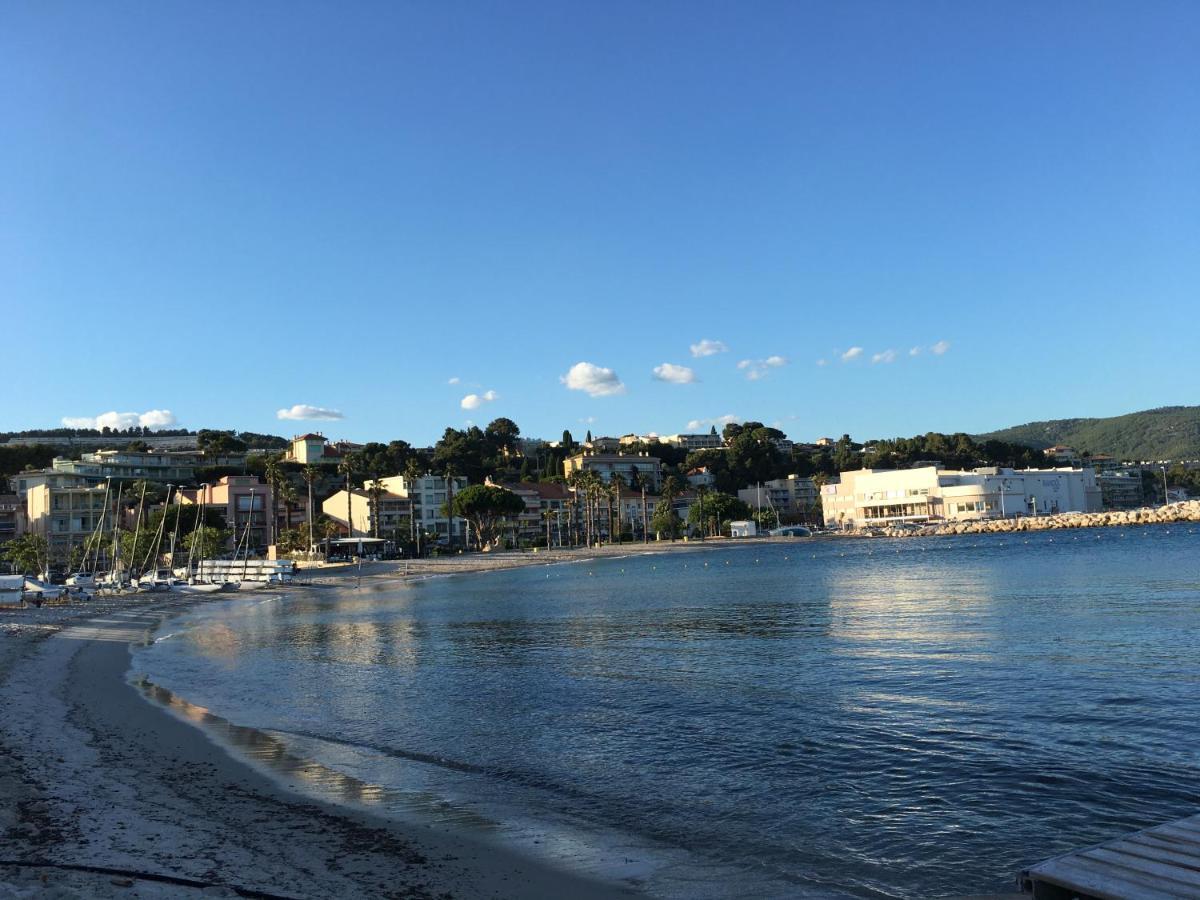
(243, 501)
(876, 497)
(794, 498)
(427, 495)
(67, 516)
(648, 469)
(393, 512)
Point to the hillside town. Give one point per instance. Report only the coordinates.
(483, 489)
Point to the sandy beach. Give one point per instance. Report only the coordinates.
(105, 794)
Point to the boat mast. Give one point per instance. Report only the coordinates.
(137, 531)
(175, 531)
(155, 549)
(196, 528)
(116, 541)
(93, 544)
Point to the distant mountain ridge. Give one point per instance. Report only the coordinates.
(1169, 432)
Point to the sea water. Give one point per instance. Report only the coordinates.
(868, 718)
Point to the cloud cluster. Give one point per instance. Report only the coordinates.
(674, 374)
(708, 347)
(720, 421)
(153, 418)
(474, 401)
(454, 380)
(595, 381)
(303, 411)
(889, 355)
(758, 368)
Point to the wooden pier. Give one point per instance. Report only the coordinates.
(1160, 863)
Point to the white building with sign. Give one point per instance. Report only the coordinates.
(875, 497)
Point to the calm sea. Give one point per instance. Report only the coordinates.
(840, 717)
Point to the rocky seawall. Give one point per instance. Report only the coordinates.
(1187, 511)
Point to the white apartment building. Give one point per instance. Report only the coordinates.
(867, 497)
(709, 441)
(428, 495)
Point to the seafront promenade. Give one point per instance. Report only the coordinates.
(1187, 511)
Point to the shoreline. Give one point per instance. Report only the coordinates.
(100, 777)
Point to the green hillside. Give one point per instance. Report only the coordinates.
(1170, 432)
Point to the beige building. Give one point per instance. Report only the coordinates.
(307, 449)
(66, 516)
(394, 513)
(648, 468)
(874, 497)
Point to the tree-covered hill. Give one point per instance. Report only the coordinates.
(1170, 432)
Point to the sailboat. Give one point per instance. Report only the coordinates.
(193, 584)
(85, 578)
(152, 580)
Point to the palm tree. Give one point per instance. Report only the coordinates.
(375, 492)
(311, 474)
(347, 467)
(287, 495)
(273, 472)
(615, 483)
(672, 487)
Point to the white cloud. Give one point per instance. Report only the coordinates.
(595, 381)
(304, 411)
(474, 401)
(154, 418)
(454, 380)
(852, 354)
(886, 356)
(674, 374)
(720, 421)
(822, 362)
(707, 347)
(915, 351)
(940, 347)
(758, 368)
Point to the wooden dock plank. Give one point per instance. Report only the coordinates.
(1183, 854)
(1187, 879)
(1097, 880)
(1158, 862)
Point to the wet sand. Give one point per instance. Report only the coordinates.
(95, 777)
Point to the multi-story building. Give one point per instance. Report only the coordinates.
(67, 516)
(1121, 490)
(12, 517)
(546, 509)
(392, 511)
(708, 441)
(307, 449)
(242, 501)
(646, 468)
(866, 497)
(23, 482)
(428, 495)
(793, 497)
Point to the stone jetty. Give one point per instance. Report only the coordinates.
(1187, 511)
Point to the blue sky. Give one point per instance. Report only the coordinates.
(225, 211)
